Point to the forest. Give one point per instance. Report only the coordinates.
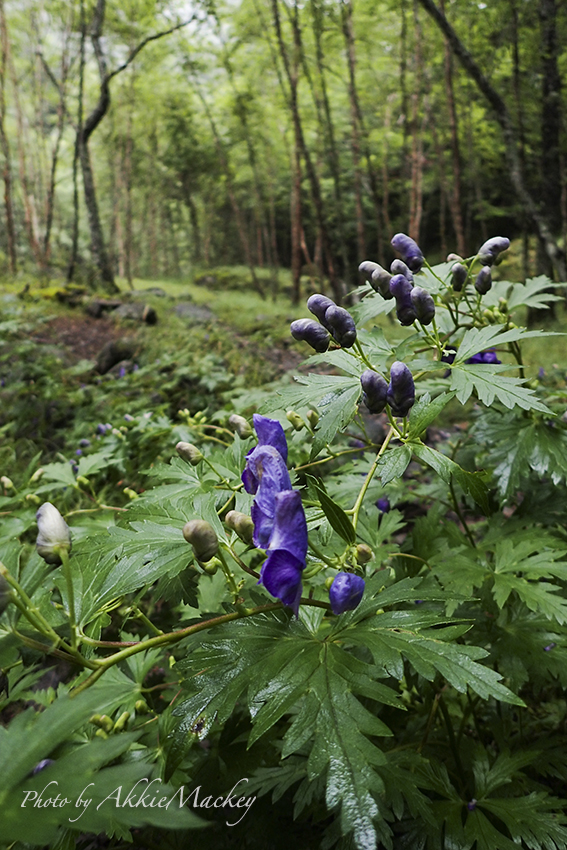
(283, 425)
(145, 139)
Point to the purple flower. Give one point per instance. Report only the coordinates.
(488, 253)
(267, 472)
(399, 267)
(78, 452)
(488, 356)
(471, 806)
(128, 417)
(319, 304)
(346, 592)
(483, 280)
(341, 324)
(383, 505)
(41, 765)
(84, 443)
(311, 332)
(459, 274)
(375, 391)
(121, 371)
(549, 647)
(423, 304)
(401, 288)
(287, 549)
(409, 250)
(401, 389)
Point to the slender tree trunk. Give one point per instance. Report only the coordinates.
(519, 103)
(7, 171)
(347, 27)
(292, 78)
(77, 150)
(296, 228)
(416, 192)
(552, 249)
(193, 217)
(454, 196)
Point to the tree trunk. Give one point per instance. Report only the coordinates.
(416, 193)
(77, 150)
(552, 249)
(7, 171)
(550, 114)
(292, 78)
(296, 228)
(454, 196)
(347, 27)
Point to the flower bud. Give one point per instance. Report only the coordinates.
(311, 332)
(367, 268)
(341, 324)
(489, 251)
(459, 274)
(401, 389)
(380, 282)
(5, 594)
(401, 288)
(375, 391)
(240, 425)
(409, 251)
(383, 505)
(318, 305)
(84, 482)
(122, 722)
(211, 567)
(189, 452)
(241, 523)
(103, 721)
(399, 267)
(313, 418)
(130, 493)
(41, 765)
(423, 304)
(346, 592)
(364, 553)
(295, 419)
(483, 282)
(202, 537)
(7, 483)
(53, 534)
(35, 500)
(453, 256)
(141, 706)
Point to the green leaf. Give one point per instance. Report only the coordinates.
(425, 411)
(471, 482)
(536, 820)
(476, 340)
(394, 463)
(485, 379)
(338, 519)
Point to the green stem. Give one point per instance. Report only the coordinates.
(452, 740)
(139, 615)
(229, 576)
(327, 459)
(370, 476)
(460, 514)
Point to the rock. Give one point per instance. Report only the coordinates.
(97, 306)
(194, 314)
(136, 313)
(114, 352)
(143, 293)
(208, 280)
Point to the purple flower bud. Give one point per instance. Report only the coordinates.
(84, 443)
(471, 806)
(541, 372)
(401, 288)
(121, 371)
(488, 253)
(484, 357)
(399, 267)
(483, 280)
(312, 333)
(270, 433)
(423, 304)
(128, 417)
(375, 391)
(101, 428)
(409, 250)
(549, 647)
(459, 274)
(401, 389)
(78, 452)
(381, 282)
(41, 765)
(341, 324)
(346, 592)
(318, 305)
(383, 505)
(367, 268)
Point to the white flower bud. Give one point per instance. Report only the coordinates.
(53, 533)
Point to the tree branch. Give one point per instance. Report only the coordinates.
(502, 115)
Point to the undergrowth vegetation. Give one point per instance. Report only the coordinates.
(342, 618)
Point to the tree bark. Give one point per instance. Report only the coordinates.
(348, 32)
(7, 171)
(502, 115)
(300, 140)
(77, 150)
(454, 197)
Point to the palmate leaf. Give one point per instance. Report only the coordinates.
(518, 446)
(485, 379)
(281, 666)
(335, 397)
(533, 820)
(476, 340)
(471, 482)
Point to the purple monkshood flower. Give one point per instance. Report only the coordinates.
(549, 647)
(78, 452)
(541, 372)
(281, 571)
(84, 443)
(383, 505)
(484, 357)
(346, 592)
(121, 371)
(471, 806)
(279, 520)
